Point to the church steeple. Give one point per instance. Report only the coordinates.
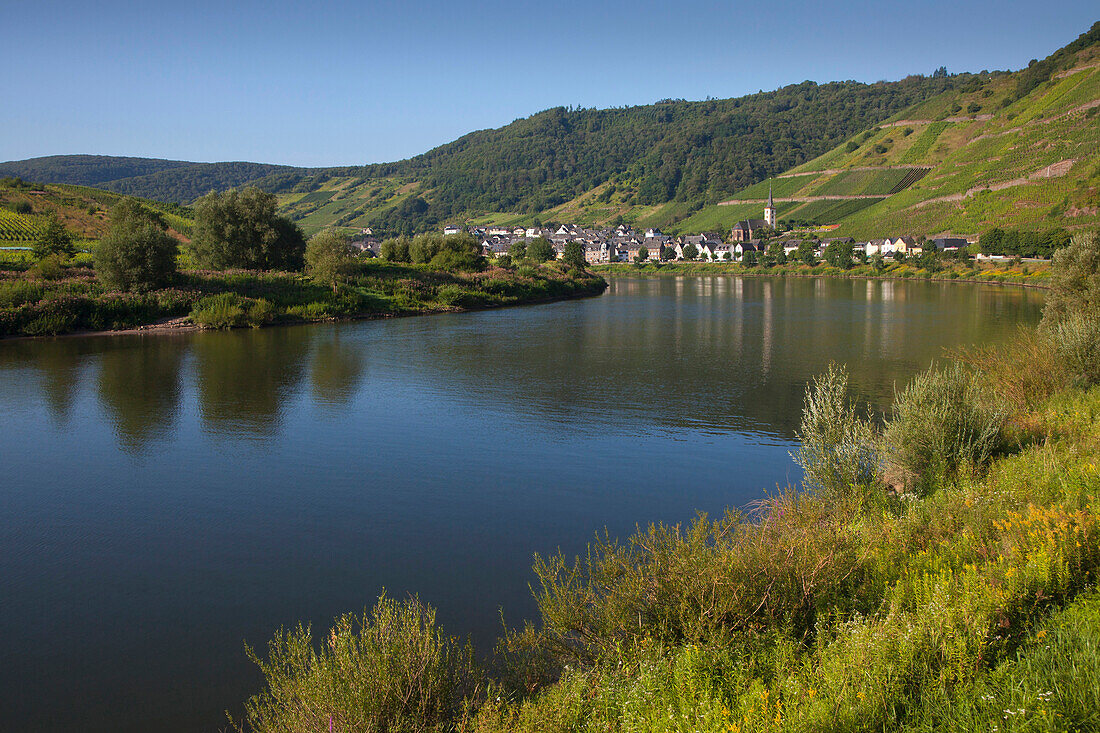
(769, 210)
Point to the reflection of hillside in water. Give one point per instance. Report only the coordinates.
(712, 353)
(669, 355)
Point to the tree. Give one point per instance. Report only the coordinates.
(930, 259)
(241, 229)
(878, 262)
(690, 252)
(540, 250)
(667, 253)
(749, 258)
(643, 254)
(137, 254)
(54, 239)
(805, 253)
(574, 255)
(1074, 279)
(775, 254)
(839, 254)
(328, 258)
(395, 249)
(518, 249)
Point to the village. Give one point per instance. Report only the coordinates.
(749, 241)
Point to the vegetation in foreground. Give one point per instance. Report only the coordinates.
(245, 258)
(937, 571)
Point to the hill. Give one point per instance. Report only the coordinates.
(688, 153)
(923, 155)
(175, 181)
(82, 209)
(1005, 149)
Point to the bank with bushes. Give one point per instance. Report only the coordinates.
(1024, 274)
(247, 266)
(75, 300)
(936, 571)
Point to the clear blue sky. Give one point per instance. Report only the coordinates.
(359, 82)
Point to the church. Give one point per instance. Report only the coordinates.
(746, 230)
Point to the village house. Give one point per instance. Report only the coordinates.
(740, 248)
(950, 244)
(452, 229)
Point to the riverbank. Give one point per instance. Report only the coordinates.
(75, 303)
(1031, 275)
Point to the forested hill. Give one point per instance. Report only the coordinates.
(696, 152)
(177, 181)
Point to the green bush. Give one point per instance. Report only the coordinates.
(137, 253)
(839, 451)
(229, 310)
(943, 421)
(390, 669)
(17, 292)
(1076, 341)
(48, 267)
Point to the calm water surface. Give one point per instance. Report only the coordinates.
(167, 498)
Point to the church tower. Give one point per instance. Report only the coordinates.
(769, 210)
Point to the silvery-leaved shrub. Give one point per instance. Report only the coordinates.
(839, 451)
(945, 420)
(1077, 343)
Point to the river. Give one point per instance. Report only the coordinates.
(167, 498)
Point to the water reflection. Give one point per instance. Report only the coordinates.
(336, 368)
(246, 378)
(139, 388)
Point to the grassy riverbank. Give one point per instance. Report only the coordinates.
(936, 571)
(1034, 274)
(71, 298)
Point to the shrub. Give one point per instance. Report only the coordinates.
(23, 207)
(390, 669)
(1074, 279)
(229, 310)
(47, 268)
(17, 292)
(1076, 341)
(839, 448)
(137, 253)
(943, 421)
(54, 240)
(394, 250)
(328, 258)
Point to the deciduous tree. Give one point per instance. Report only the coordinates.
(138, 253)
(242, 229)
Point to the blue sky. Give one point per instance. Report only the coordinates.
(349, 83)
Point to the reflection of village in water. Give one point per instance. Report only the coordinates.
(725, 353)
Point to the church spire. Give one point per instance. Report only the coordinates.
(770, 205)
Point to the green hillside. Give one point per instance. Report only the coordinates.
(923, 155)
(82, 209)
(1004, 149)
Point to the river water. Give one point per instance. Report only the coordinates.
(167, 498)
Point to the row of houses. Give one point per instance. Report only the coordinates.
(625, 244)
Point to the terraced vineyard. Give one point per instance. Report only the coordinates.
(18, 228)
(829, 211)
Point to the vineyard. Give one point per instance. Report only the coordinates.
(861, 183)
(830, 212)
(17, 227)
